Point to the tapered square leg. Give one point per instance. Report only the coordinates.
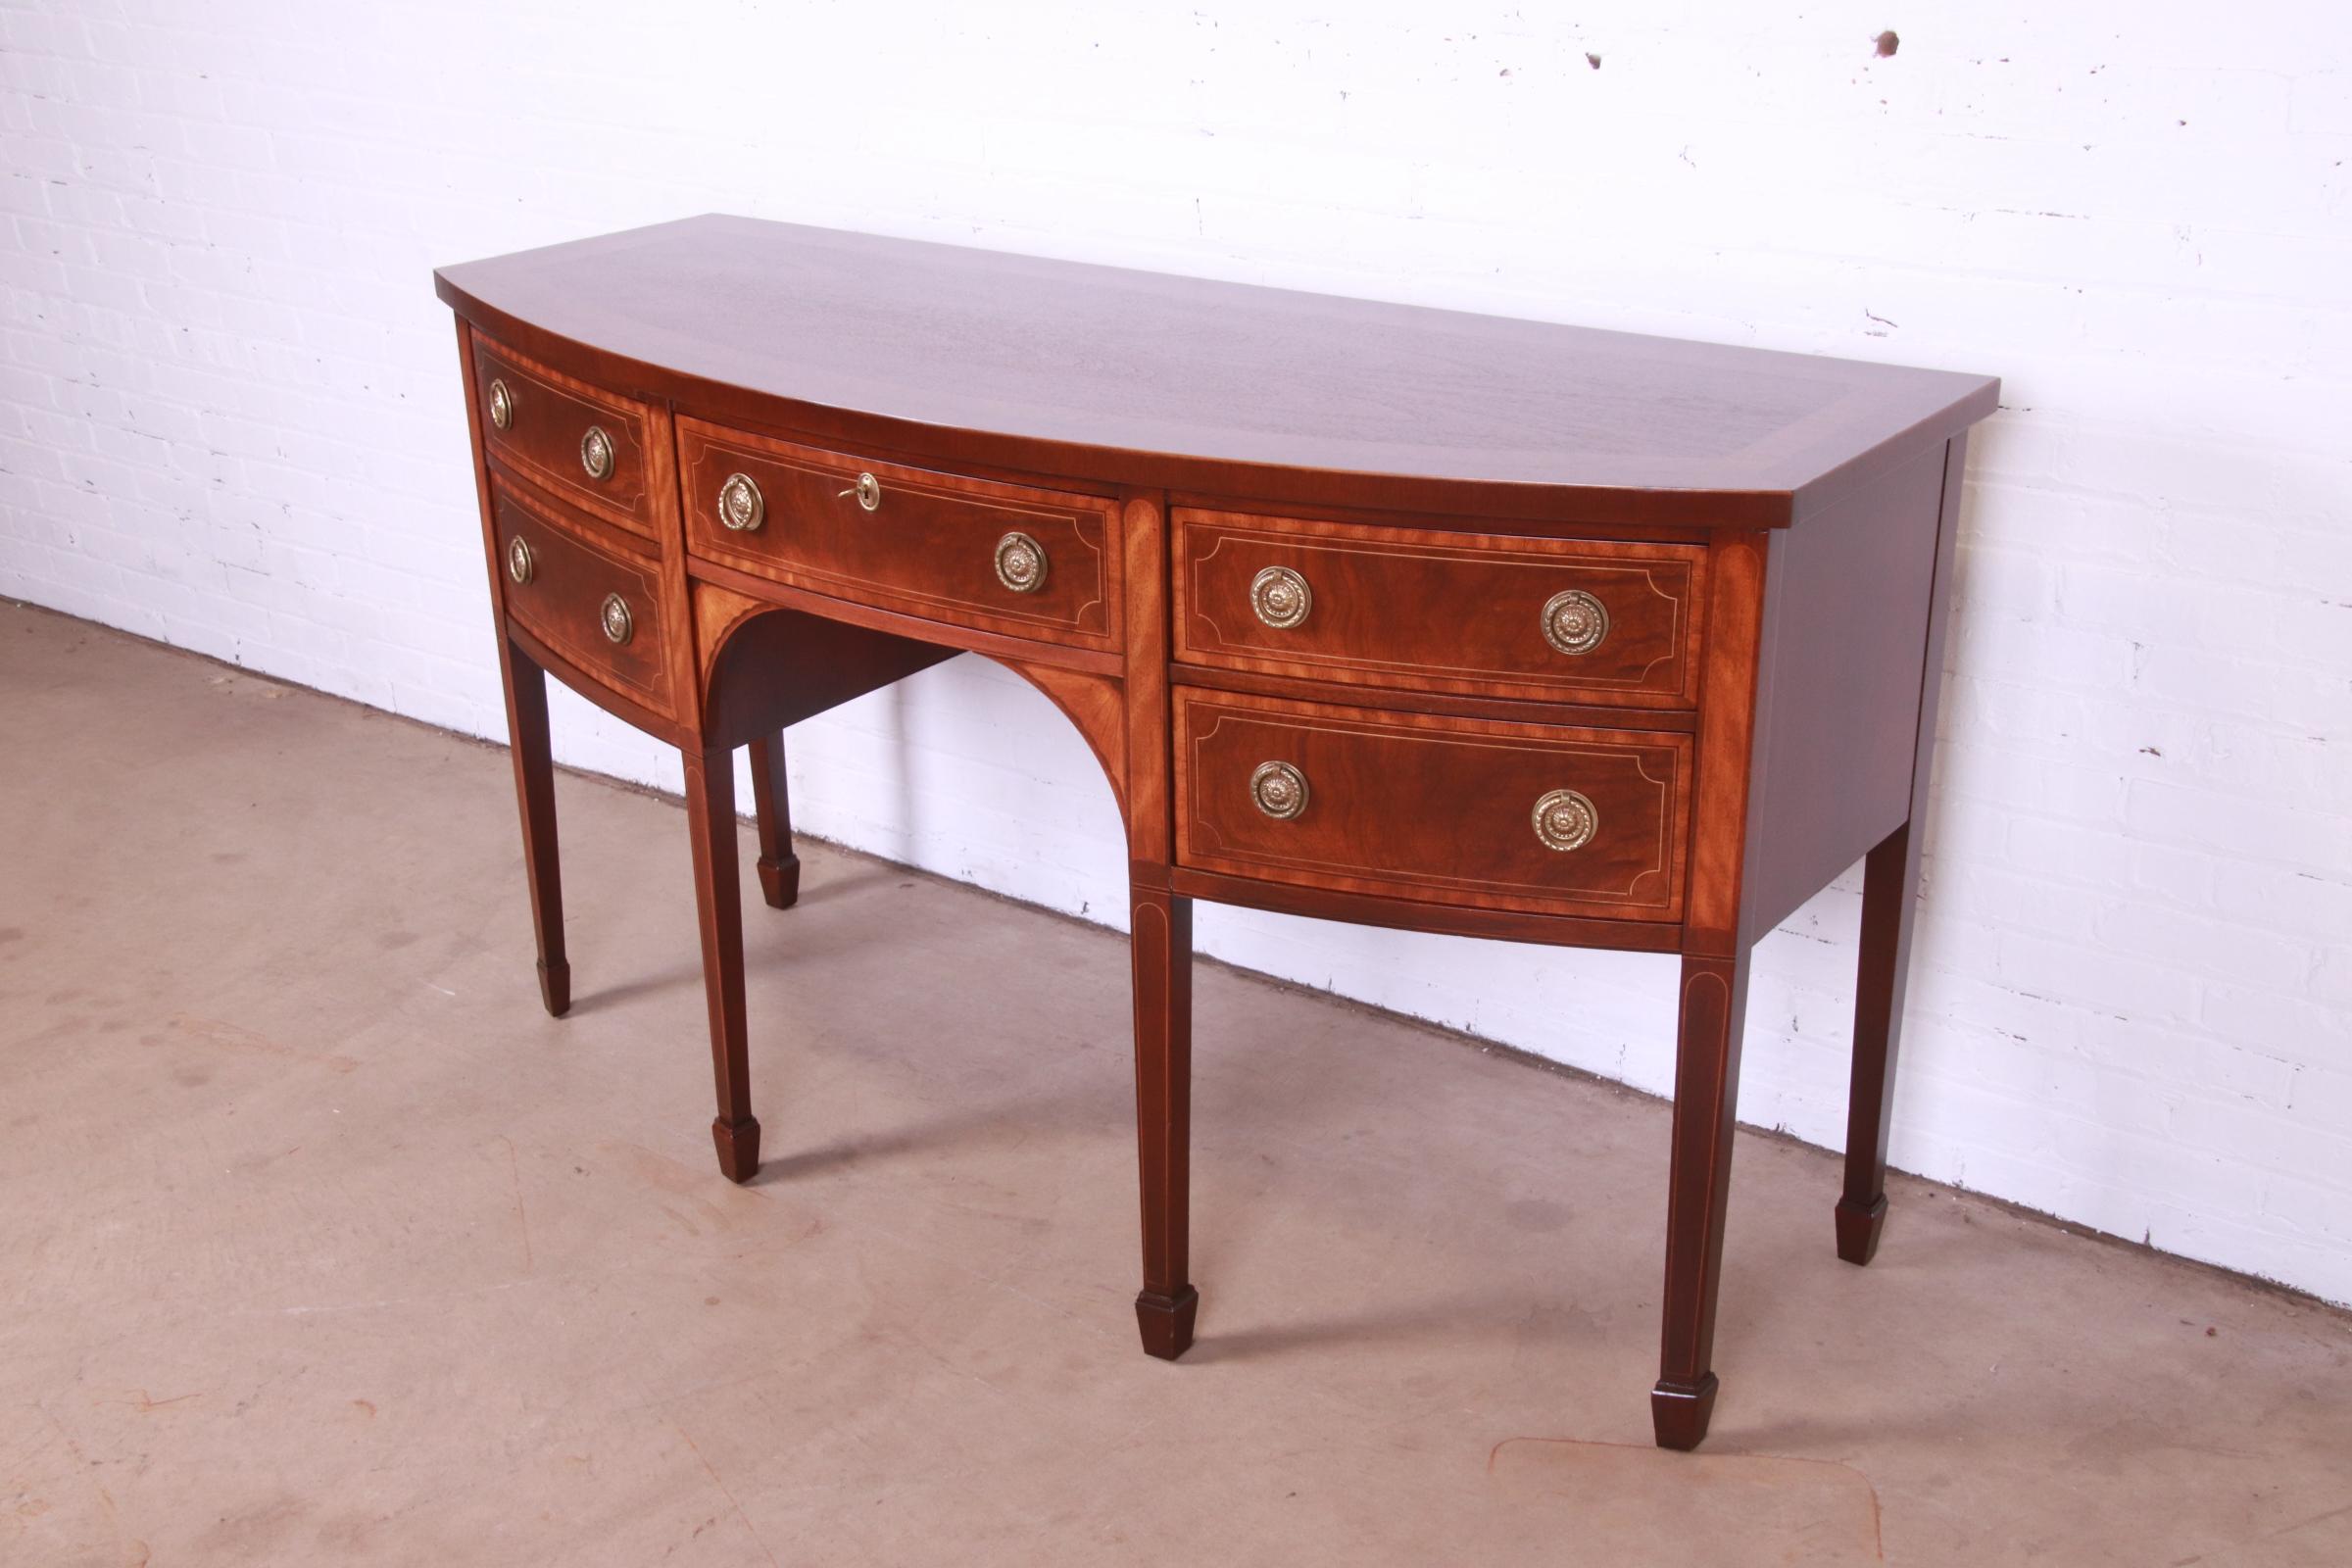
(771, 805)
(1166, 1322)
(1162, 951)
(555, 987)
(1858, 1228)
(737, 1145)
(1706, 1085)
(1889, 894)
(719, 902)
(1889, 886)
(535, 796)
(1679, 1412)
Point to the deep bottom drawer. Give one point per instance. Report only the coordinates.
(598, 608)
(1524, 816)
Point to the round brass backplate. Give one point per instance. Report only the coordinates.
(620, 626)
(741, 506)
(596, 453)
(1020, 563)
(1574, 621)
(1279, 790)
(1280, 596)
(1565, 820)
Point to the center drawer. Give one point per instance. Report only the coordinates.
(1581, 620)
(1003, 558)
(1416, 806)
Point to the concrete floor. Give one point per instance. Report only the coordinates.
(325, 1244)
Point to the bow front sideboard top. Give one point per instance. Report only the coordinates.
(1371, 613)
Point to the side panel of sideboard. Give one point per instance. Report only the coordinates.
(1845, 642)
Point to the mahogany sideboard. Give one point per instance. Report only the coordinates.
(1371, 613)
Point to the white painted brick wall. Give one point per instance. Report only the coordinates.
(231, 419)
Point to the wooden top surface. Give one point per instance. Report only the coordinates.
(1137, 377)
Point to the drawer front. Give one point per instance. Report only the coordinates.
(1567, 620)
(586, 445)
(999, 557)
(1520, 817)
(598, 608)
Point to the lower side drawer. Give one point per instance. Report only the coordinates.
(601, 610)
(1537, 817)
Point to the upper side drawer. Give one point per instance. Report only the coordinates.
(999, 557)
(591, 446)
(1566, 620)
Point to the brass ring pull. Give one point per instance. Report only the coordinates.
(1279, 790)
(1020, 563)
(741, 507)
(868, 490)
(620, 626)
(520, 564)
(596, 453)
(502, 404)
(1565, 820)
(1280, 596)
(1574, 621)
